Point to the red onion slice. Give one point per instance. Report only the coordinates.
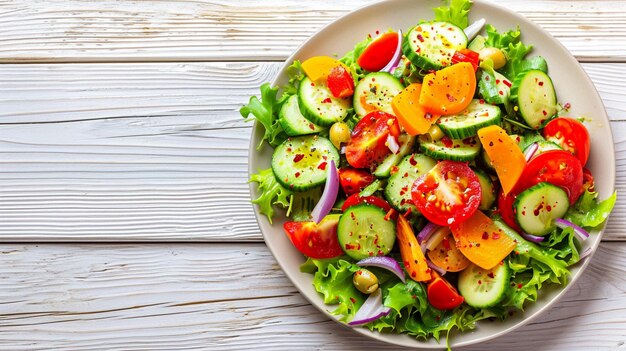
(435, 268)
(329, 196)
(395, 59)
(533, 238)
(473, 29)
(392, 144)
(425, 233)
(371, 310)
(530, 151)
(580, 232)
(385, 262)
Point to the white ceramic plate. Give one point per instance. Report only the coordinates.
(571, 83)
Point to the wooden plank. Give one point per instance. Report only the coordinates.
(154, 151)
(184, 297)
(200, 30)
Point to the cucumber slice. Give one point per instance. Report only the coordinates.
(494, 87)
(478, 114)
(484, 288)
(431, 46)
(292, 120)
(477, 44)
(300, 163)
(537, 208)
(375, 92)
(363, 231)
(406, 142)
(318, 105)
(398, 189)
(488, 189)
(535, 97)
(450, 149)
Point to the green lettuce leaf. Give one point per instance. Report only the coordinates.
(501, 40)
(588, 213)
(295, 74)
(265, 111)
(272, 193)
(517, 63)
(456, 13)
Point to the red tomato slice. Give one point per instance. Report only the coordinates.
(379, 52)
(505, 208)
(340, 82)
(367, 146)
(355, 199)
(449, 193)
(354, 180)
(315, 240)
(557, 167)
(571, 135)
(588, 180)
(466, 55)
(442, 295)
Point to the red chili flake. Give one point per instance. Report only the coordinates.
(394, 170)
(311, 126)
(519, 286)
(298, 158)
(540, 84)
(352, 300)
(567, 106)
(312, 84)
(544, 112)
(447, 142)
(412, 161)
(507, 83)
(327, 101)
(497, 81)
(481, 101)
(495, 236)
(480, 282)
(485, 235)
(297, 174)
(413, 274)
(414, 296)
(490, 275)
(420, 38)
(322, 166)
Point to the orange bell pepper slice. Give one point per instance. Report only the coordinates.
(412, 116)
(481, 241)
(449, 90)
(506, 157)
(319, 67)
(412, 255)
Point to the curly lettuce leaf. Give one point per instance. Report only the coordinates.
(456, 13)
(501, 40)
(272, 193)
(588, 212)
(265, 111)
(515, 51)
(295, 74)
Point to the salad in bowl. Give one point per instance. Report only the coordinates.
(430, 177)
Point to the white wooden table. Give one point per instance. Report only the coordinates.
(124, 207)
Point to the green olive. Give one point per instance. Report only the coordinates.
(496, 55)
(435, 132)
(339, 133)
(365, 281)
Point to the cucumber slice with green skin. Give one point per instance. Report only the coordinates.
(318, 105)
(537, 208)
(488, 189)
(534, 95)
(375, 92)
(465, 124)
(431, 46)
(406, 142)
(494, 87)
(450, 149)
(484, 288)
(529, 138)
(300, 163)
(477, 44)
(292, 120)
(363, 232)
(398, 189)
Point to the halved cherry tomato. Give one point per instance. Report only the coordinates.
(447, 256)
(466, 55)
(354, 180)
(557, 167)
(315, 240)
(588, 180)
(367, 145)
(340, 82)
(379, 52)
(442, 295)
(571, 135)
(448, 194)
(505, 208)
(355, 199)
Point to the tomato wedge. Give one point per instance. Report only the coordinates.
(355, 199)
(315, 240)
(379, 52)
(354, 180)
(571, 135)
(368, 142)
(442, 295)
(557, 167)
(340, 82)
(449, 193)
(466, 55)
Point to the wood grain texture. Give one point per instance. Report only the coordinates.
(154, 151)
(201, 30)
(184, 297)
